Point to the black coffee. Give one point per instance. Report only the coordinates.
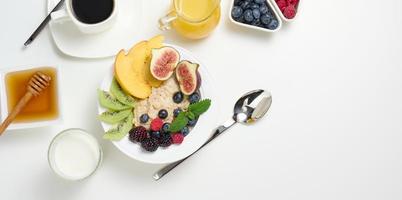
(92, 11)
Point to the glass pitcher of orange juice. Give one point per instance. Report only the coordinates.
(194, 19)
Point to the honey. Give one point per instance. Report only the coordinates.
(40, 108)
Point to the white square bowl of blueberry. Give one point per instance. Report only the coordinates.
(255, 14)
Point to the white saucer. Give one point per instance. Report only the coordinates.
(136, 20)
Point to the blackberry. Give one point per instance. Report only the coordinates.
(138, 134)
(149, 145)
(165, 140)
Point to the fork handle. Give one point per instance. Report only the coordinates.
(16, 110)
(218, 131)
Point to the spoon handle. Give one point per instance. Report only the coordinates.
(218, 131)
(17, 109)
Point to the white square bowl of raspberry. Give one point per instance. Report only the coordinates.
(286, 9)
(255, 14)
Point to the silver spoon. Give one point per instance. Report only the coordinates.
(249, 108)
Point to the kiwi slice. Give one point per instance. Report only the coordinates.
(113, 117)
(107, 101)
(120, 95)
(121, 130)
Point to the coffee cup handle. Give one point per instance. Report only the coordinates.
(164, 22)
(60, 16)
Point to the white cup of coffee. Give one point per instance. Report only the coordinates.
(90, 16)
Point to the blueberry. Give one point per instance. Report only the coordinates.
(176, 112)
(192, 123)
(240, 19)
(256, 13)
(248, 16)
(162, 114)
(245, 5)
(256, 22)
(237, 12)
(154, 134)
(259, 1)
(255, 6)
(194, 98)
(185, 131)
(144, 118)
(265, 19)
(237, 2)
(178, 97)
(273, 24)
(165, 127)
(264, 9)
(270, 14)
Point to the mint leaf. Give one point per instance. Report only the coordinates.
(200, 107)
(190, 115)
(179, 122)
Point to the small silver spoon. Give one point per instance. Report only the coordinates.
(249, 108)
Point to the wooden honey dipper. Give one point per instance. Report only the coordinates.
(36, 85)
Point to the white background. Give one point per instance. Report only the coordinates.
(334, 130)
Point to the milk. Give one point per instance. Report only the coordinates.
(74, 154)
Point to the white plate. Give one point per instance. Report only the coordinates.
(201, 132)
(136, 19)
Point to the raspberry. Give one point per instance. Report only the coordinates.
(138, 134)
(156, 124)
(177, 138)
(165, 140)
(149, 144)
(282, 4)
(289, 12)
(293, 2)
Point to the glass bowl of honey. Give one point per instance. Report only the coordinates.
(43, 110)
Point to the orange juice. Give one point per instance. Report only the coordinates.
(196, 18)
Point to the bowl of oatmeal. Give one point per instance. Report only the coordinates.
(147, 116)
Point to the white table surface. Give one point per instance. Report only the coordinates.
(334, 130)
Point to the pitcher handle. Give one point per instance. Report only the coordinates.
(164, 22)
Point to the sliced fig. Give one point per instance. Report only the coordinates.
(186, 74)
(164, 62)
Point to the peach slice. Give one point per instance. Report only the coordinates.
(129, 71)
(154, 43)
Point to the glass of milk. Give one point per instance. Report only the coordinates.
(74, 154)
